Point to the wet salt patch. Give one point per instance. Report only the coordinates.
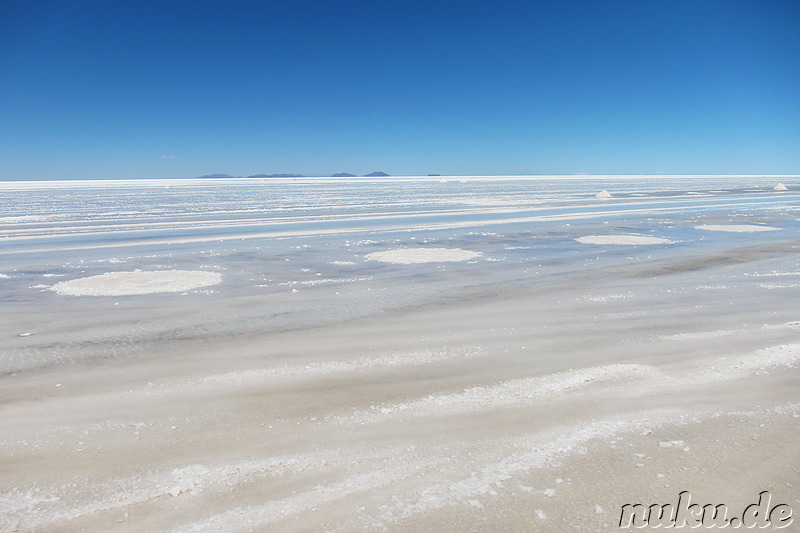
(412, 256)
(622, 239)
(735, 228)
(137, 282)
(508, 393)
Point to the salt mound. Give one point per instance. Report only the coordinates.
(413, 256)
(603, 194)
(780, 187)
(622, 239)
(137, 282)
(737, 228)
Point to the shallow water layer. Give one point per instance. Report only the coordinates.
(507, 328)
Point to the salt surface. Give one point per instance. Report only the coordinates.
(137, 282)
(736, 228)
(622, 239)
(413, 256)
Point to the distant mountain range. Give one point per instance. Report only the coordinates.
(376, 174)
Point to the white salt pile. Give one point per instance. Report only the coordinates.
(137, 282)
(413, 256)
(737, 228)
(603, 194)
(622, 239)
(780, 187)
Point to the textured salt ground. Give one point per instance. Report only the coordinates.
(291, 467)
(585, 492)
(413, 422)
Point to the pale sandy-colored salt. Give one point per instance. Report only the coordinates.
(735, 228)
(622, 239)
(780, 187)
(413, 256)
(137, 282)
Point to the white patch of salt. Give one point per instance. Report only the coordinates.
(735, 228)
(622, 239)
(413, 256)
(137, 282)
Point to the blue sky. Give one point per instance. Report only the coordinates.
(163, 89)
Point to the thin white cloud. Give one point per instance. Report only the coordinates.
(169, 157)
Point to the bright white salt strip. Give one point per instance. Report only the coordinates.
(137, 282)
(512, 392)
(622, 239)
(4, 276)
(737, 228)
(413, 256)
(699, 335)
(327, 368)
(779, 285)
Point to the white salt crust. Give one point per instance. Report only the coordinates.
(622, 239)
(735, 228)
(137, 282)
(414, 256)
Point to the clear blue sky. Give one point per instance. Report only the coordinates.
(138, 88)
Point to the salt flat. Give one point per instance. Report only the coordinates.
(396, 354)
